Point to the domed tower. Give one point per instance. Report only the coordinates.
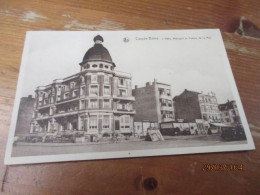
(97, 100)
(97, 57)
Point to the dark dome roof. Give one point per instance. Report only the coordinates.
(97, 52)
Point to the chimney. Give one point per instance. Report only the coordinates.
(147, 84)
(30, 96)
(136, 86)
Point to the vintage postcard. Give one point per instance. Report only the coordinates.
(117, 94)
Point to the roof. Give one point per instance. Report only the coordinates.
(185, 92)
(226, 106)
(98, 52)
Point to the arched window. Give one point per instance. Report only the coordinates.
(106, 66)
(94, 66)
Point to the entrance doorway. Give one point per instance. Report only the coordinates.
(117, 125)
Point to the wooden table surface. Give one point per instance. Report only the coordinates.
(183, 174)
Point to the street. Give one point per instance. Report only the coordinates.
(169, 142)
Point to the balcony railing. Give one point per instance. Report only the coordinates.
(121, 97)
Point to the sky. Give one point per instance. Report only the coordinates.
(193, 60)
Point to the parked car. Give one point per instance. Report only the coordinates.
(34, 137)
(233, 133)
(185, 132)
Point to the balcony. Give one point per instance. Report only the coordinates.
(43, 106)
(120, 97)
(167, 108)
(165, 96)
(123, 74)
(124, 111)
(42, 117)
(67, 113)
(67, 100)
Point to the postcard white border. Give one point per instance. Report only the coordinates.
(131, 153)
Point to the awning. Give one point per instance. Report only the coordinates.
(220, 125)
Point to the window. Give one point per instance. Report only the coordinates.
(66, 95)
(93, 122)
(58, 98)
(168, 92)
(106, 90)
(106, 66)
(94, 90)
(83, 90)
(106, 79)
(122, 92)
(106, 103)
(161, 91)
(94, 66)
(88, 65)
(93, 104)
(100, 65)
(163, 101)
(72, 85)
(125, 122)
(75, 93)
(82, 79)
(121, 106)
(169, 103)
(40, 98)
(106, 122)
(82, 104)
(121, 81)
(93, 78)
(45, 101)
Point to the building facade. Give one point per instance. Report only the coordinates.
(193, 106)
(24, 115)
(153, 102)
(229, 112)
(96, 100)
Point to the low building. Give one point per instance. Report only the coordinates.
(229, 112)
(153, 102)
(25, 114)
(96, 100)
(191, 106)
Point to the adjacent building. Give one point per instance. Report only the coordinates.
(24, 115)
(229, 112)
(153, 102)
(97, 99)
(193, 106)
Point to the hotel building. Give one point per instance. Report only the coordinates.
(192, 106)
(97, 99)
(153, 102)
(229, 112)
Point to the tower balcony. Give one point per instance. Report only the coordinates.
(120, 97)
(167, 108)
(121, 111)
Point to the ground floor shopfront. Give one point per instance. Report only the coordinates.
(91, 123)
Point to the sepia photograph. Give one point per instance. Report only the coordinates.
(84, 95)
